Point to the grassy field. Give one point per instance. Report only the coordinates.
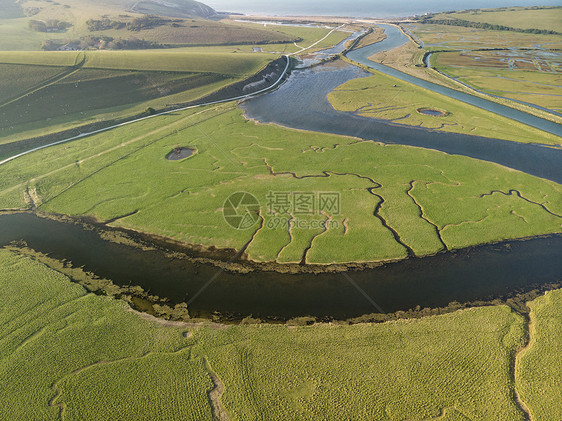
(538, 366)
(549, 18)
(384, 97)
(516, 75)
(54, 328)
(446, 36)
(152, 60)
(308, 36)
(125, 170)
(107, 85)
(437, 38)
(64, 349)
(131, 80)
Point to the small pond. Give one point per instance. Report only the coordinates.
(429, 111)
(180, 153)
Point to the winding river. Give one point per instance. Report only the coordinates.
(481, 273)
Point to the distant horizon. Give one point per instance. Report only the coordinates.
(363, 8)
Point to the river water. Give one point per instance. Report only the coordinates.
(301, 103)
(482, 273)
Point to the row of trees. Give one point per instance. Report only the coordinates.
(104, 24)
(102, 43)
(137, 24)
(51, 25)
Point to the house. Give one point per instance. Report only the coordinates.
(69, 47)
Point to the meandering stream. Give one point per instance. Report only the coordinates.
(482, 273)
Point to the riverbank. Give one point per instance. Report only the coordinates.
(396, 38)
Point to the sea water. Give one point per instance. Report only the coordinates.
(362, 8)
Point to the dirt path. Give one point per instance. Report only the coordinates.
(215, 395)
(317, 42)
(529, 324)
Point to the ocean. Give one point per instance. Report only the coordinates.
(362, 8)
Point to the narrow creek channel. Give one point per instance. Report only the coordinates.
(480, 273)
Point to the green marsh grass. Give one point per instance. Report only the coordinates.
(384, 97)
(88, 354)
(125, 170)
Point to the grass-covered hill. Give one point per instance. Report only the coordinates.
(173, 8)
(31, 25)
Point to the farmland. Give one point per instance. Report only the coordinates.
(15, 33)
(444, 36)
(452, 365)
(458, 208)
(522, 67)
(522, 76)
(139, 263)
(61, 90)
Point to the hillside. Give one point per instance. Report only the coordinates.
(120, 24)
(64, 89)
(174, 8)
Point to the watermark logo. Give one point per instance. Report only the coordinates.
(284, 209)
(303, 203)
(241, 210)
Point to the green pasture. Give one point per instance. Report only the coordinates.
(384, 97)
(42, 58)
(125, 170)
(15, 33)
(51, 328)
(549, 18)
(108, 85)
(85, 355)
(17, 79)
(150, 60)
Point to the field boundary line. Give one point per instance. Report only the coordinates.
(48, 82)
(105, 129)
